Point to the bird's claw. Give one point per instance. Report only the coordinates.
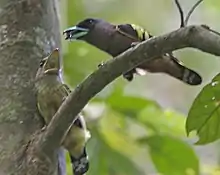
(134, 44)
(128, 76)
(101, 64)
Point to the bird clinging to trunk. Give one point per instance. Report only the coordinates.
(51, 93)
(115, 39)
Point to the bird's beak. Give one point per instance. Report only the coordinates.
(74, 33)
(55, 53)
(53, 62)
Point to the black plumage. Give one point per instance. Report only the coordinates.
(115, 39)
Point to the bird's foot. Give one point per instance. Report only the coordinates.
(101, 64)
(128, 76)
(134, 44)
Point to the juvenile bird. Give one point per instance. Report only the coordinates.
(51, 93)
(115, 39)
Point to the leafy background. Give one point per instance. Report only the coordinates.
(139, 127)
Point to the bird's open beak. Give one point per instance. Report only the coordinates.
(74, 33)
(53, 62)
(55, 53)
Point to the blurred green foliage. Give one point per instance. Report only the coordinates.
(168, 154)
(139, 127)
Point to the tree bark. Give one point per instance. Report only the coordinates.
(29, 30)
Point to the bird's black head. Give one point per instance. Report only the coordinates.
(81, 30)
(80, 165)
(88, 23)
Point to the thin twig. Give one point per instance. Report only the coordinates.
(191, 11)
(181, 13)
(211, 30)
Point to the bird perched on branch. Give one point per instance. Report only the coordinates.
(115, 39)
(51, 93)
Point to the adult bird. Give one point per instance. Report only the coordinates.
(51, 93)
(115, 39)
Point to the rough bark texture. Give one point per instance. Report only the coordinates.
(29, 30)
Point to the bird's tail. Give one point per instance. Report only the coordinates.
(61, 162)
(170, 65)
(80, 164)
(189, 76)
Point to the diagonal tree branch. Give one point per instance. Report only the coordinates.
(192, 36)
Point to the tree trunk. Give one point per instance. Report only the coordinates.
(29, 30)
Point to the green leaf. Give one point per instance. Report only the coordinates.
(107, 161)
(160, 121)
(114, 129)
(128, 103)
(97, 158)
(121, 102)
(204, 115)
(171, 156)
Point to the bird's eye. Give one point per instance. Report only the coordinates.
(42, 62)
(89, 21)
